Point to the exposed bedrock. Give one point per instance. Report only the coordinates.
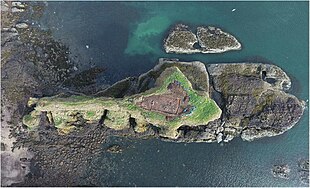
(255, 99)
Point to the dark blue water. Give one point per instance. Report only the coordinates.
(126, 38)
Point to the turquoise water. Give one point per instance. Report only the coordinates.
(127, 39)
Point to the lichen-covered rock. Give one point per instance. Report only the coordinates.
(214, 40)
(181, 40)
(255, 100)
(277, 113)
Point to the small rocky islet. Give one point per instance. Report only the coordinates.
(208, 39)
(67, 130)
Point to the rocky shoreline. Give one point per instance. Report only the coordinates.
(208, 39)
(32, 64)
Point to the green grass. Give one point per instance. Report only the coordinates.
(153, 115)
(58, 121)
(31, 120)
(90, 113)
(28, 118)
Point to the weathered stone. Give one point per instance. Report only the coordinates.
(240, 105)
(219, 137)
(4, 7)
(21, 26)
(15, 10)
(18, 4)
(229, 137)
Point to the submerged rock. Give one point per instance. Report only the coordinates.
(281, 171)
(304, 171)
(207, 40)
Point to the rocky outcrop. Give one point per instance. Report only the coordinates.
(208, 39)
(255, 99)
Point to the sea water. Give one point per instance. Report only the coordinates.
(126, 38)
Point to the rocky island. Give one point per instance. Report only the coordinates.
(208, 39)
(183, 101)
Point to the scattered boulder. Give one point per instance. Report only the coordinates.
(21, 26)
(18, 4)
(115, 149)
(219, 137)
(16, 10)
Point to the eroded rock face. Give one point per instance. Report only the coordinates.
(207, 40)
